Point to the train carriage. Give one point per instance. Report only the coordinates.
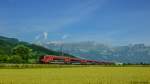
(52, 59)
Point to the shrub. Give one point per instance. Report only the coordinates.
(15, 59)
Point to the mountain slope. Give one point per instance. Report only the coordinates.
(7, 44)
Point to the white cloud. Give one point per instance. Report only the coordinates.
(45, 35)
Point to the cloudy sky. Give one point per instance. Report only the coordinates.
(104, 21)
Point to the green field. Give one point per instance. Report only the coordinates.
(76, 75)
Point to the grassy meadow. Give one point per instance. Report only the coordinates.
(76, 75)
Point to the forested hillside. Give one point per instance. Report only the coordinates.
(14, 51)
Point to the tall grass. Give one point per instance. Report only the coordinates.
(76, 75)
(22, 66)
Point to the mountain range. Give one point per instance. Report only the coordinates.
(132, 53)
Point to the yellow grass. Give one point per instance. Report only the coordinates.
(77, 75)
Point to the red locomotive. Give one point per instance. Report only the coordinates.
(67, 60)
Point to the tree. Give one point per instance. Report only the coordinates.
(22, 51)
(4, 58)
(15, 59)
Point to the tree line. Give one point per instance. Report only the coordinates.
(19, 54)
